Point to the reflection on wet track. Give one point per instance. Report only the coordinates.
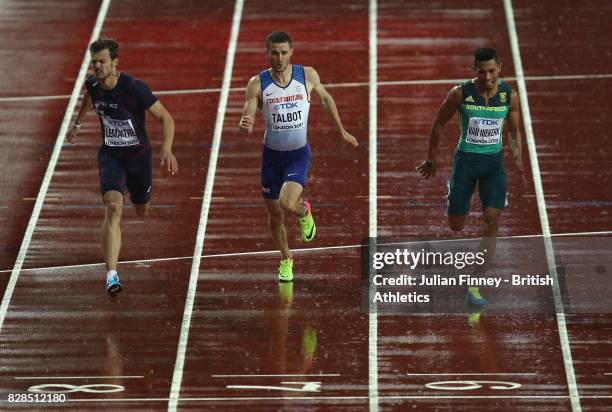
(253, 342)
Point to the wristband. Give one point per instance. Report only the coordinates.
(77, 125)
(430, 163)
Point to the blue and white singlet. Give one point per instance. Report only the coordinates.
(285, 110)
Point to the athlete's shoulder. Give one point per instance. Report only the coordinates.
(131, 81)
(507, 93)
(456, 92)
(253, 88)
(311, 75)
(255, 81)
(467, 86)
(91, 82)
(309, 70)
(505, 87)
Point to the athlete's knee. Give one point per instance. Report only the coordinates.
(456, 227)
(456, 223)
(274, 212)
(287, 205)
(491, 217)
(114, 208)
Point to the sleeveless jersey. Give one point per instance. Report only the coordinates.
(480, 124)
(285, 110)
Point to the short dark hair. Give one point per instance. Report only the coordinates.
(485, 54)
(102, 44)
(277, 37)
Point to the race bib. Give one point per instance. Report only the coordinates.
(119, 133)
(286, 112)
(483, 131)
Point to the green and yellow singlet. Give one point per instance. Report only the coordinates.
(480, 124)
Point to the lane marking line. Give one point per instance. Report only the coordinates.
(332, 85)
(177, 376)
(302, 250)
(537, 180)
(77, 377)
(44, 187)
(372, 199)
(289, 375)
(472, 374)
(334, 398)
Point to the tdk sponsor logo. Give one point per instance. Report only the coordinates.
(487, 122)
(284, 106)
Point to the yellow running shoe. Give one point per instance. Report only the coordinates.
(474, 297)
(309, 341)
(307, 224)
(474, 318)
(285, 270)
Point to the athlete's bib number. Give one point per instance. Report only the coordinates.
(119, 132)
(484, 131)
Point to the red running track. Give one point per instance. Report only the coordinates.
(244, 324)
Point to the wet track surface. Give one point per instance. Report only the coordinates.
(253, 342)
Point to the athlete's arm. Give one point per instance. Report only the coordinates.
(514, 133)
(165, 118)
(328, 103)
(86, 105)
(448, 108)
(250, 105)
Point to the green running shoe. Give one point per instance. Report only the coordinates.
(474, 297)
(307, 224)
(474, 319)
(309, 341)
(285, 270)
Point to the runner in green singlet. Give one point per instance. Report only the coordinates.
(484, 104)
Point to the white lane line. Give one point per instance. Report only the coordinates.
(34, 98)
(177, 376)
(44, 187)
(77, 377)
(372, 201)
(535, 168)
(303, 250)
(290, 375)
(333, 398)
(473, 374)
(330, 86)
(570, 77)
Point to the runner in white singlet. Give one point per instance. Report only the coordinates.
(283, 94)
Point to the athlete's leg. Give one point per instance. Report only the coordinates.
(276, 224)
(460, 189)
(139, 178)
(457, 222)
(111, 231)
(492, 188)
(491, 222)
(291, 200)
(488, 244)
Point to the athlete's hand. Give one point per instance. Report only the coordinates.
(72, 134)
(246, 123)
(349, 138)
(518, 162)
(168, 159)
(428, 168)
